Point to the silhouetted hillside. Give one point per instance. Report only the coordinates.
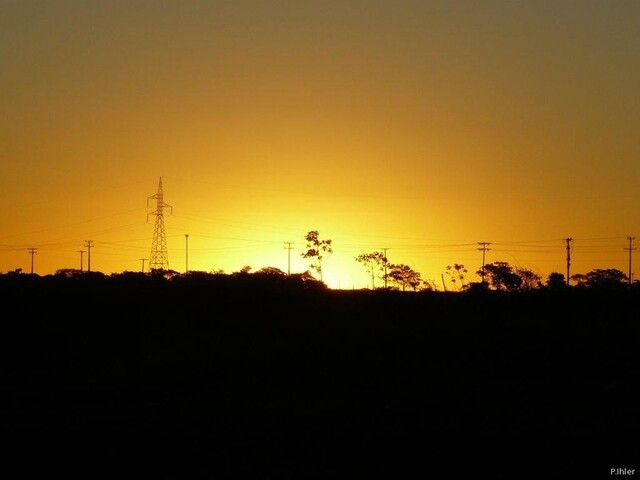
(235, 378)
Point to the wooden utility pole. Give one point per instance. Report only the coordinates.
(88, 244)
(568, 241)
(186, 253)
(483, 248)
(81, 252)
(32, 251)
(288, 246)
(630, 248)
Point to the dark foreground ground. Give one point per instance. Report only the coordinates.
(181, 383)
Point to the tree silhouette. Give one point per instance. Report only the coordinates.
(456, 274)
(606, 278)
(530, 280)
(579, 280)
(556, 281)
(404, 276)
(374, 263)
(68, 272)
(429, 285)
(502, 277)
(316, 250)
(271, 271)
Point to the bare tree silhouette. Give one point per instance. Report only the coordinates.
(316, 250)
(375, 263)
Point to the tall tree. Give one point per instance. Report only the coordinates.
(375, 263)
(501, 276)
(530, 280)
(404, 276)
(316, 250)
(556, 281)
(579, 279)
(606, 278)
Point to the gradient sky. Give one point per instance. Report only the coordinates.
(419, 126)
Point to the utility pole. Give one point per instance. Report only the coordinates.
(81, 252)
(32, 251)
(385, 266)
(186, 250)
(88, 244)
(630, 248)
(143, 259)
(568, 241)
(483, 248)
(288, 246)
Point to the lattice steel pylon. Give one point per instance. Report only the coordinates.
(158, 259)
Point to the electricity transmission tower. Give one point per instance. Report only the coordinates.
(159, 259)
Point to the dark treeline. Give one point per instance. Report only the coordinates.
(270, 376)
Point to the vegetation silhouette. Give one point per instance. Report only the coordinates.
(316, 250)
(502, 276)
(267, 375)
(403, 276)
(375, 263)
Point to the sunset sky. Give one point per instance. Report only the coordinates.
(419, 126)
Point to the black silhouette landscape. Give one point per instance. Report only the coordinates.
(457, 179)
(276, 376)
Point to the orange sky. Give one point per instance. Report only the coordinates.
(423, 127)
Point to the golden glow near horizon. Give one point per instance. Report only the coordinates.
(421, 127)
